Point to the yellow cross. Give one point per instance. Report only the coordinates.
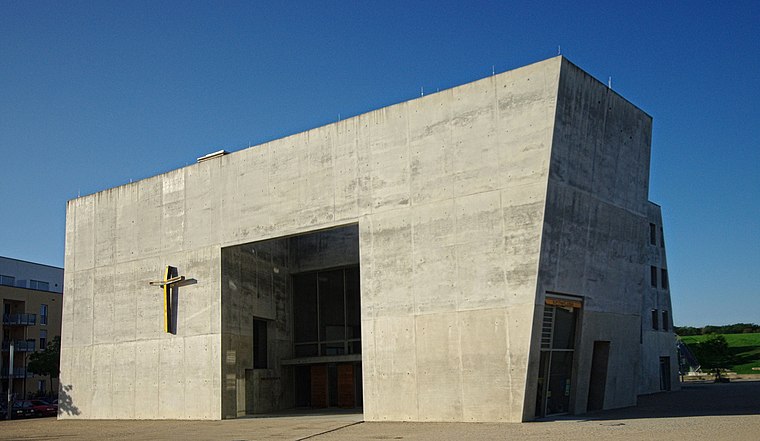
(171, 280)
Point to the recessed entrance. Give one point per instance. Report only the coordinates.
(292, 330)
(557, 350)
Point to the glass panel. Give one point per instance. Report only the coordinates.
(564, 328)
(335, 348)
(332, 318)
(305, 308)
(353, 308)
(308, 350)
(558, 395)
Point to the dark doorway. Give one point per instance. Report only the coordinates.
(327, 337)
(328, 385)
(557, 351)
(664, 373)
(598, 379)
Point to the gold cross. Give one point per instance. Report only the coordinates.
(170, 282)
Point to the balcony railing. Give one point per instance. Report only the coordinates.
(20, 346)
(17, 373)
(19, 319)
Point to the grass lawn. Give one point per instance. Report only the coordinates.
(744, 348)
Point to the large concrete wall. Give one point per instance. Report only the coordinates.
(596, 233)
(448, 191)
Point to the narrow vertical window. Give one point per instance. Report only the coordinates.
(653, 276)
(662, 238)
(655, 320)
(665, 321)
(653, 234)
(43, 314)
(43, 339)
(664, 278)
(260, 349)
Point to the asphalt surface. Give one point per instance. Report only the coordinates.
(699, 411)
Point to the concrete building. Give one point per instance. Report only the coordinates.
(485, 253)
(31, 297)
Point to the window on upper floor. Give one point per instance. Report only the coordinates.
(653, 234)
(664, 279)
(39, 285)
(665, 321)
(43, 338)
(7, 280)
(43, 314)
(655, 320)
(662, 238)
(653, 276)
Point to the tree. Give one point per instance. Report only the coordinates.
(48, 361)
(713, 352)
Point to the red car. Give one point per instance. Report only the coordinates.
(40, 407)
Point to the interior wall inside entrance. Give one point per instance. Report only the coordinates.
(258, 299)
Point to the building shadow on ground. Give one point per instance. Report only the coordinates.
(702, 399)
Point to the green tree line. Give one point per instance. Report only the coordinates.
(736, 328)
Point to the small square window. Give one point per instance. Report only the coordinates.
(655, 319)
(653, 276)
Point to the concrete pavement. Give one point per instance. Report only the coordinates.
(698, 411)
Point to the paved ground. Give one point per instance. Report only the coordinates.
(699, 411)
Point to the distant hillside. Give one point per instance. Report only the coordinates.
(736, 328)
(738, 352)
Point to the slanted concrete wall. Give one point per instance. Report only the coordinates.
(660, 342)
(595, 235)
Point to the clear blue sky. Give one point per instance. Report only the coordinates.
(95, 94)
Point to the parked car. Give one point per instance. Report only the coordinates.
(43, 408)
(22, 409)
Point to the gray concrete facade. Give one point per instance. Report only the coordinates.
(472, 206)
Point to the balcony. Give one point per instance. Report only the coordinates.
(20, 346)
(19, 319)
(17, 373)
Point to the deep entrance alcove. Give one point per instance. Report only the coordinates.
(292, 322)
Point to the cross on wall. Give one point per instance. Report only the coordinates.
(171, 283)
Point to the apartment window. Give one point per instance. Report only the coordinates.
(260, 349)
(662, 238)
(653, 276)
(665, 321)
(43, 314)
(664, 278)
(653, 234)
(655, 320)
(7, 280)
(43, 338)
(41, 386)
(39, 285)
